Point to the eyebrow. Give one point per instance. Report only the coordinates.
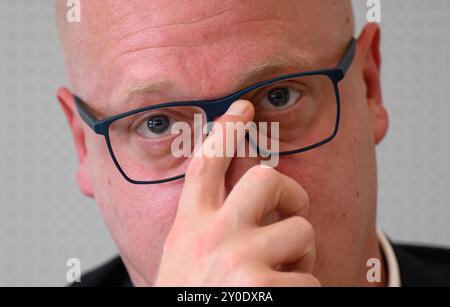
(272, 65)
(143, 89)
(281, 63)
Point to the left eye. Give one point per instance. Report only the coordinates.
(280, 98)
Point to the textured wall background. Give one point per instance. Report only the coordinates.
(44, 220)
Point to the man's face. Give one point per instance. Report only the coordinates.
(203, 48)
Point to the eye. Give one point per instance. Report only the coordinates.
(155, 126)
(280, 98)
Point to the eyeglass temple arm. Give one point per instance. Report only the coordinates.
(348, 57)
(87, 116)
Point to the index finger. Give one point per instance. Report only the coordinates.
(205, 176)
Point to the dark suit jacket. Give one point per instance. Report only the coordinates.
(419, 266)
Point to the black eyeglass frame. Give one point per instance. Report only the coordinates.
(217, 107)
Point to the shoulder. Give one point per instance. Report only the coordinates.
(110, 274)
(423, 265)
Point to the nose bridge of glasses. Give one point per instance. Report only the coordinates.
(218, 107)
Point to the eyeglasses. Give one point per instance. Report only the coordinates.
(306, 106)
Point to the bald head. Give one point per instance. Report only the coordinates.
(200, 34)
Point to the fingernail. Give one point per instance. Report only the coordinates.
(238, 108)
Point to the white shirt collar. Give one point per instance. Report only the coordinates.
(393, 270)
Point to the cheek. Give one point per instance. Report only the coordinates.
(147, 210)
(126, 200)
(340, 177)
(137, 216)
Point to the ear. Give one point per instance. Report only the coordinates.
(67, 103)
(368, 46)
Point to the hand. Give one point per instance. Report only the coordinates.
(221, 242)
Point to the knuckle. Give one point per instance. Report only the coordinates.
(263, 174)
(309, 231)
(304, 195)
(302, 227)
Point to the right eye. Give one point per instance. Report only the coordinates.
(156, 126)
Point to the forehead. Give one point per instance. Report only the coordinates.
(202, 46)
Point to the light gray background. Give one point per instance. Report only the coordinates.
(44, 220)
